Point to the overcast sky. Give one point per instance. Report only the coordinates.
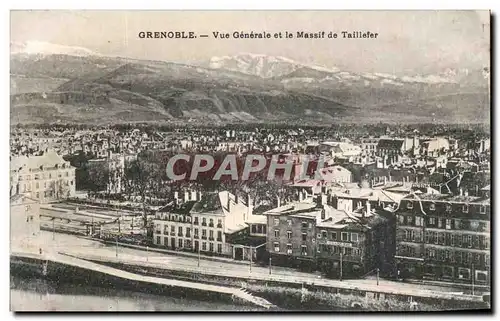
(408, 41)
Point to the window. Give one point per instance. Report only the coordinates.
(289, 234)
(219, 223)
(465, 208)
(318, 236)
(165, 240)
(304, 224)
(180, 230)
(196, 233)
(448, 224)
(211, 247)
(276, 233)
(344, 236)
(334, 236)
(431, 253)
(482, 209)
(324, 234)
(432, 206)
(204, 221)
(448, 208)
(304, 236)
(409, 205)
(195, 222)
(289, 222)
(458, 224)
(463, 273)
(440, 223)
(432, 221)
(211, 235)
(289, 248)
(354, 237)
(172, 230)
(276, 222)
(276, 247)
(180, 242)
(303, 250)
(204, 246)
(165, 229)
(219, 236)
(219, 248)
(204, 234)
(418, 221)
(211, 224)
(188, 232)
(254, 228)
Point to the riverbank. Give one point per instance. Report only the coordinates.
(313, 297)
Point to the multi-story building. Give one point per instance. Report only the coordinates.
(205, 223)
(444, 238)
(369, 145)
(24, 224)
(46, 178)
(315, 235)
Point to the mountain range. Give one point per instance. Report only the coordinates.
(73, 84)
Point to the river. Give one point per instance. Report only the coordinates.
(36, 294)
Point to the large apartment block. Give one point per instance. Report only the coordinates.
(45, 178)
(444, 238)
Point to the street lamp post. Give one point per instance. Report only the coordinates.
(53, 228)
(199, 253)
(378, 272)
(250, 259)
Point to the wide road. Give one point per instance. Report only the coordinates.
(76, 245)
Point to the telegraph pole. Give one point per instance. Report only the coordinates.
(270, 260)
(472, 278)
(341, 263)
(378, 272)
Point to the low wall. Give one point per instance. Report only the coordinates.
(61, 273)
(311, 297)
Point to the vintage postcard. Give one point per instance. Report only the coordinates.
(250, 161)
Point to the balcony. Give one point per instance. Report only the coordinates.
(180, 235)
(196, 223)
(219, 225)
(211, 238)
(203, 224)
(203, 237)
(196, 236)
(219, 239)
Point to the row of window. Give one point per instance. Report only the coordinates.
(448, 207)
(187, 244)
(448, 239)
(344, 236)
(172, 232)
(449, 272)
(338, 250)
(448, 224)
(459, 257)
(41, 176)
(258, 229)
(303, 224)
(187, 219)
(320, 248)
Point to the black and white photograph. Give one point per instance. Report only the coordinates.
(250, 161)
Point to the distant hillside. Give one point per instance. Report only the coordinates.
(91, 88)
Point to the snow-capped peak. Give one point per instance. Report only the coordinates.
(262, 65)
(46, 48)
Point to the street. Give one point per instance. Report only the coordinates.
(80, 246)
